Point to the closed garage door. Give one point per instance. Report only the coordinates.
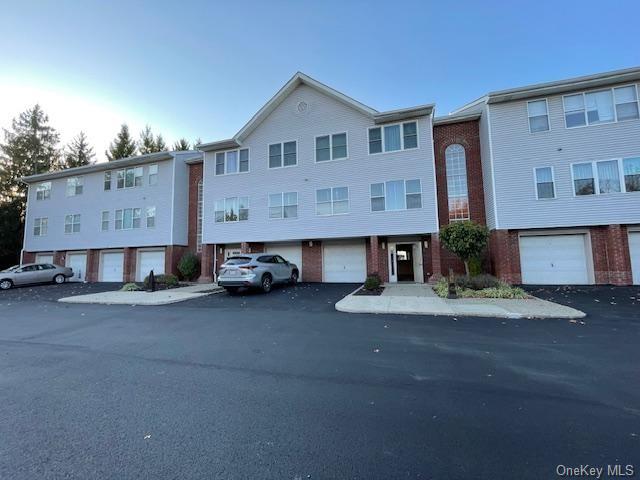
(78, 263)
(344, 262)
(291, 253)
(634, 249)
(150, 260)
(44, 258)
(111, 266)
(554, 260)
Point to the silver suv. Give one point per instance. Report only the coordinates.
(259, 270)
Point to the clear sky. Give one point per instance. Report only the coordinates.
(203, 68)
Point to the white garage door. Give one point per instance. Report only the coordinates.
(44, 258)
(232, 251)
(344, 262)
(150, 260)
(112, 267)
(291, 253)
(634, 250)
(554, 260)
(78, 263)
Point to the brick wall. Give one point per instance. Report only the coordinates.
(375, 250)
(172, 255)
(611, 256)
(505, 255)
(28, 257)
(312, 261)
(93, 265)
(130, 258)
(195, 175)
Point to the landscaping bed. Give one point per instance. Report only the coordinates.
(480, 286)
(370, 291)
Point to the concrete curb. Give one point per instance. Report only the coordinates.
(162, 297)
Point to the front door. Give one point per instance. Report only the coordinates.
(404, 262)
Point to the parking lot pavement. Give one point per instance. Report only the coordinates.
(48, 292)
(282, 386)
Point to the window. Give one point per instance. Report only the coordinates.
(537, 111)
(128, 218)
(232, 162)
(107, 181)
(283, 154)
(105, 221)
(600, 107)
(199, 219)
(119, 221)
(40, 227)
(72, 224)
(283, 205)
(43, 191)
(151, 217)
(574, 111)
(332, 201)
(396, 195)
(583, 181)
(393, 137)
(457, 189)
(631, 169)
(331, 147)
(608, 176)
(153, 174)
(74, 186)
(626, 103)
(544, 183)
(130, 177)
(137, 212)
(232, 209)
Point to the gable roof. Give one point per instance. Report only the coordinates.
(302, 79)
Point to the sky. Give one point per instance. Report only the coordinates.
(201, 69)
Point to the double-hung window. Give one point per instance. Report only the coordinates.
(601, 106)
(43, 191)
(72, 223)
(283, 154)
(608, 176)
(583, 180)
(151, 217)
(105, 221)
(130, 177)
(396, 195)
(107, 181)
(631, 170)
(626, 102)
(283, 205)
(457, 188)
(74, 186)
(332, 201)
(153, 174)
(40, 227)
(574, 113)
(128, 218)
(234, 161)
(544, 183)
(231, 209)
(390, 138)
(595, 178)
(538, 113)
(331, 147)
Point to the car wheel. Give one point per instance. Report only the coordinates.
(231, 290)
(59, 279)
(6, 284)
(294, 277)
(266, 283)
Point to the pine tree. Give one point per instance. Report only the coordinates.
(146, 144)
(78, 152)
(122, 146)
(197, 142)
(160, 146)
(181, 145)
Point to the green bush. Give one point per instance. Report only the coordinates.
(500, 290)
(467, 240)
(372, 282)
(168, 281)
(131, 287)
(477, 282)
(189, 266)
(475, 266)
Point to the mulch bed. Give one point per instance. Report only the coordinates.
(375, 292)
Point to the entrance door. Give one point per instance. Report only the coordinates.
(404, 262)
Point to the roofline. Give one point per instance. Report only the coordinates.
(448, 119)
(472, 103)
(218, 145)
(402, 113)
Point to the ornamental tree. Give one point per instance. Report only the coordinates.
(465, 239)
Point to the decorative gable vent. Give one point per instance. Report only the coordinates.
(302, 107)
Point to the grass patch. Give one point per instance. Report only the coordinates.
(500, 290)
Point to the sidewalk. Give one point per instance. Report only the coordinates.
(420, 299)
(160, 297)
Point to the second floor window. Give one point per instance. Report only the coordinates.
(457, 189)
(538, 116)
(331, 147)
(153, 174)
(231, 209)
(151, 217)
(72, 224)
(602, 106)
(283, 154)
(105, 221)
(606, 176)
(332, 201)
(130, 177)
(631, 169)
(107, 181)
(544, 183)
(283, 205)
(43, 191)
(74, 186)
(393, 137)
(235, 161)
(128, 218)
(396, 195)
(40, 227)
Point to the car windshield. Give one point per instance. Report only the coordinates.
(11, 269)
(237, 260)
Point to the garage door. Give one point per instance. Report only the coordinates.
(150, 260)
(291, 253)
(344, 262)
(232, 251)
(554, 260)
(44, 258)
(111, 267)
(78, 263)
(634, 249)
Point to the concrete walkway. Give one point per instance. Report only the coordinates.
(420, 299)
(161, 297)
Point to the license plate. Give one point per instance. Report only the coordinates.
(234, 273)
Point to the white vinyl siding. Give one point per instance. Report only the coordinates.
(74, 186)
(72, 223)
(40, 227)
(331, 147)
(545, 187)
(43, 191)
(457, 188)
(390, 138)
(283, 205)
(538, 116)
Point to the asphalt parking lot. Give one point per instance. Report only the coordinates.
(282, 386)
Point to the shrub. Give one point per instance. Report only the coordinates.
(500, 290)
(189, 266)
(465, 239)
(168, 281)
(372, 282)
(475, 266)
(478, 282)
(131, 287)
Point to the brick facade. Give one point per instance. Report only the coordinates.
(195, 177)
(312, 261)
(505, 255)
(611, 256)
(93, 265)
(172, 255)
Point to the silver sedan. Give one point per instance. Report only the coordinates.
(33, 273)
(260, 270)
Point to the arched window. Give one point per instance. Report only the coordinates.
(199, 220)
(456, 165)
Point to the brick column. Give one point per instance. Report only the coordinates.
(256, 247)
(618, 255)
(93, 264)
(28, 257)
(504, 251)
(373, 257)
(59, 257)
(312, 261)
(433, 251)
(206, 263)
(130, 265)
(245, 248)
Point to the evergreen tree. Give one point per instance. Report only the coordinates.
(122, 146)
(197, 142)
(181, 145)
(146, 144)
(78, 152)
(160, 146)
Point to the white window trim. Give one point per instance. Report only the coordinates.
(282, 165)
(40, 234)
(297, 204)
(466, 175)
(613, 98)
(72, 224)
(115, 216)
(149, 175)
(223, 200)
(332, 214)
(47, 188)
(124, 187)
(104, 181)
(79, 183)
(553, 179)
(102, 220)
(596, 178)
(405, 209)
(147, 217)
(237, 150)
(546, 101)
(331, 159)
(384, 147)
